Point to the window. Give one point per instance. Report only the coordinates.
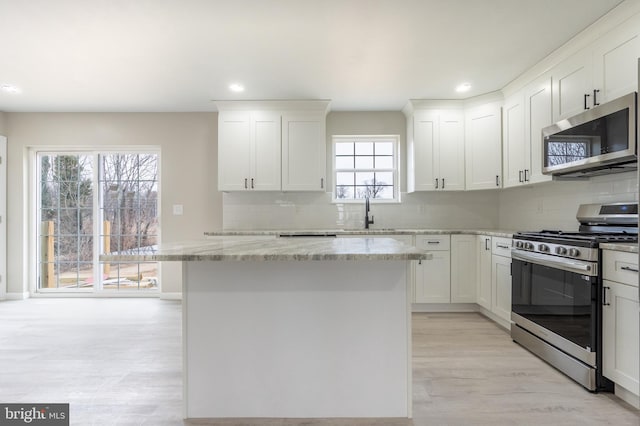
(365, 166)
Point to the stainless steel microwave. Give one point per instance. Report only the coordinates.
(600, 140)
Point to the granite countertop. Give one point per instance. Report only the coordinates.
(363, 232)
(279, 249)
(631, 248)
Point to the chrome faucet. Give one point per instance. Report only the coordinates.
(367, 221)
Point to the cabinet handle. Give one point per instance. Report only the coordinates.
(433, 242)
(604, 296)
(586, 95)
(520, 176)
(487, 245)
(526, 175)
(497, 180)
(502, 246)
(628, 268)
(321, 183)
(595, 102)
(251, 183)
(436, 183)
(245, 184)
(442, 183)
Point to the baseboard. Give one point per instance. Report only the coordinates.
(627, 396)
(493, 317)
(171, 296)
(444, 307)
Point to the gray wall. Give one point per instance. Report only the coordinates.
(188, 143)
(3, 130)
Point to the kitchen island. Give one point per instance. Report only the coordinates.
(294, 327)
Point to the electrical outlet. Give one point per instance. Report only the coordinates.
(177, 209)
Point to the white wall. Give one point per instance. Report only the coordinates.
(188, 143)
(3, 130)
(553, 205)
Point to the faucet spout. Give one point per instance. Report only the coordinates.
(367, 221)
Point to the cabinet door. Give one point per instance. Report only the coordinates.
(265, 155)
(501, 287)
(463, 269)
(620, 331)
(450, 148)
(484, 271)
(304, 151)
(483, 147)
(234, 151)
(422, 150)
(538, 115)
(615, 61)
(513, 140)
(432, 279)
(572, 80)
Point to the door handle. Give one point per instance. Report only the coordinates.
(604, 296)
(520, 176)
(321, 183)
(595, 102)
(245, 184)
(586, 95)
(436, 183)
(628, 268)
(497, 180)
(526, 175)
(442, 183)
(487, 246)
(252, 183)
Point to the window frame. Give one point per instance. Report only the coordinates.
(395, 139)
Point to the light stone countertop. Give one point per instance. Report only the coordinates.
(631, 248)
(363, 232)
(313, 248)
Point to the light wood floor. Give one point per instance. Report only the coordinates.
(118, 362)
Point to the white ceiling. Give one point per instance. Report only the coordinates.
(178, 55)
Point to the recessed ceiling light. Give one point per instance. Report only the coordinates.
(235, 87)
(463, 87)
(9, 88)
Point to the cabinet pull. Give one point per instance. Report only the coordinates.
(502, 246)
(628, 268)
(487, 245)
(436, 183)
(586, 95)
(526, 175)
(520, 176)
(252, 183)
(595, 102)
(433, 242)
(245, 184)
(497, 180)
(604, 296)
(442, 183)
(321, 183)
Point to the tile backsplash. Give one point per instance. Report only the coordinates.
(550, 205)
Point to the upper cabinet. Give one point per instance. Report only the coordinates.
(515, 168)
(483, 146)
(435, 150)
(272, 146)
(604, 70)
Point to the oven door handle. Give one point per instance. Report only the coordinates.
(570, 265)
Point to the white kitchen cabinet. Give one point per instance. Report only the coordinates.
(621, 323)
(463, 268)
(501, 287)
(249, 151)
(538, 112)
(484, 267)
(304, 163)
(513, 136)
(435, 150)
(433, 277)
(602, 71)
(483, 147)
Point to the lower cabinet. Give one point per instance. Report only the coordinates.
(463, 269)
(433, 277)
(493, 265)
(620, 323)
(484, 266)
(501, 286)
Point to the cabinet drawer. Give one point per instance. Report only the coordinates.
(501, 246)
(433, 242)
(620, 266)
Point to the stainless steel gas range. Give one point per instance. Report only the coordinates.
(557, 290)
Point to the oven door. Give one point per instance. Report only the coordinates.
(556, 299)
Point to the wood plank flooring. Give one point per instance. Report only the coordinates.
(118, 362)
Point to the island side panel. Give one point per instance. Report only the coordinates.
(297, 339)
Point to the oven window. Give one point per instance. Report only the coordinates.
(557, 300)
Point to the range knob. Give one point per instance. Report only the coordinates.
(574, 252)
(543, 247)
(562, 251)
(528, 246)
(519, 244)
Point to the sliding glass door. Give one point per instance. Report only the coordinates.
(93, 203)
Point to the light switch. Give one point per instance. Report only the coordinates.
(177, 209)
